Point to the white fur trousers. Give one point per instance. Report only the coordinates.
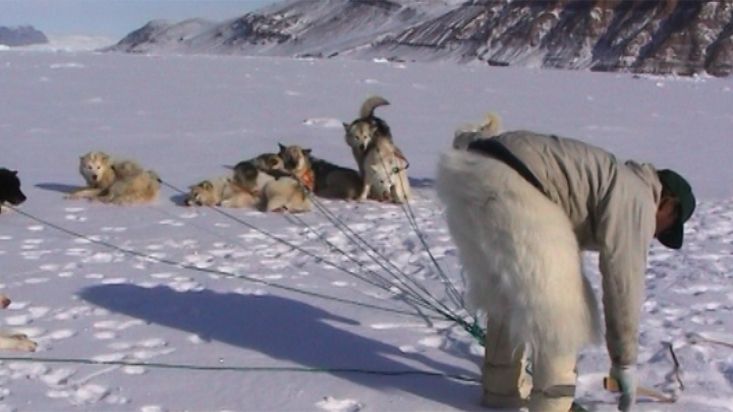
(520, 255)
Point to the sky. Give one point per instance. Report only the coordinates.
(114, 18)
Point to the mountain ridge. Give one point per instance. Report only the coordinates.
(654, 36)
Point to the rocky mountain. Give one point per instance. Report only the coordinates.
(21, 36)
(647, 36)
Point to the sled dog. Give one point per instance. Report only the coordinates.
(297, 162)
(382, 165)
(465, 135)
(362, 130)
(266, 178)
(220, 191)
(328, 180)
(16, 341)
(10, 192)
(10, 188)
(113, 181)
(270, 163)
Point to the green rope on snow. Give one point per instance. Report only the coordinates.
(302, 369)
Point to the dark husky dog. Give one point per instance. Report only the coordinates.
(323, 178)
(10, 192)
(10, 188)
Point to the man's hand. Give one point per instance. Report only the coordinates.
(625, 376)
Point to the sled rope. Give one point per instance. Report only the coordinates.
(173, 263)
(400, 276)
(451, 291)
(472, 327)
(368, 249)
(696, 338)
(382, 282)
(285, 242)
(273, 369)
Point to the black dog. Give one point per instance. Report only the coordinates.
(10, 187)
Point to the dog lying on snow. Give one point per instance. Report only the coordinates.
(113, 181)
(10, 188)
(381, 164)
(319, 176)
(260, 182)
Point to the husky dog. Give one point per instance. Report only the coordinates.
(118, 182)
(220, 191)
(10, 188)
(362, 130)
(385, 173)
(465, 135)
(266, 178)
(336, 182)
(270, 163)
(381, 164)
(323, 178)
(297, 162)
(10, 192)
(19, 342)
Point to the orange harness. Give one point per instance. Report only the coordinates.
(308, 179)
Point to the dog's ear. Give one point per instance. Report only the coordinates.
(346, 126)
(282, 147)
(14, 172)
(207, 185)
(307, 152)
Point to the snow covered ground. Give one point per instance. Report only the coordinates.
(189, 118)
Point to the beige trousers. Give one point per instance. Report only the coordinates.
(507, 385)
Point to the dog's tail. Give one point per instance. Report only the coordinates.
(466, 134)
(520, 254)
(367, 108)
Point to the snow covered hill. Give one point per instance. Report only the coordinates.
(305, 335)
(652, 36)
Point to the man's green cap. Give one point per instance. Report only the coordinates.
(680, 189)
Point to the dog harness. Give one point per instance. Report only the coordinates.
(496, 150)
(308, 179)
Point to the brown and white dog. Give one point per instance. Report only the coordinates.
(266, 177)
(220, 191)
(113, 181)
(382, 165)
